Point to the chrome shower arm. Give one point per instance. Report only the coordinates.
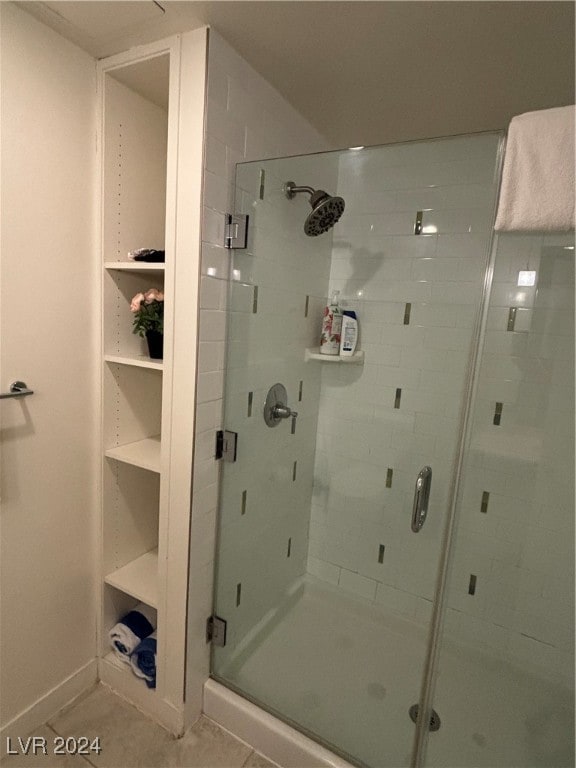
(290, 190)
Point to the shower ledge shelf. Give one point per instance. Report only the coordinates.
(314, 354)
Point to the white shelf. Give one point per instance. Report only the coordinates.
(135, 266)
(143, 453)
(314, 354)
(141, 361)
(138, 579)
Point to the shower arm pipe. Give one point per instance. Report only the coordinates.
(291, 189)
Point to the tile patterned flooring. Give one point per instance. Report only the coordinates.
(130, 740)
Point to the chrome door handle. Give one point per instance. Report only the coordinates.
(17, 389)
(421, 496)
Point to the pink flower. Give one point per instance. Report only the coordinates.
(153, 294)
(136, 301)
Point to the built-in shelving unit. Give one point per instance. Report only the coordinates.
(314, 354)
(135, 164)
(136, 402)
(152, 102)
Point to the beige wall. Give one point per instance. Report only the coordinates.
(49, 280)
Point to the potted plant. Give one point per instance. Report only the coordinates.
(148, 309)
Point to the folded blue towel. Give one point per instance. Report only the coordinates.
(130, 630)
(143, 661)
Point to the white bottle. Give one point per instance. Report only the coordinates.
(331, 327)
(349, 336)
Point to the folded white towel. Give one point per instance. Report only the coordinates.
(126, 635)
(537, 193)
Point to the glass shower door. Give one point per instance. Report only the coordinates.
(325, 587)
(506, 672)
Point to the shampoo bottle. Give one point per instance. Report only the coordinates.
(331, 327)
(349, 337)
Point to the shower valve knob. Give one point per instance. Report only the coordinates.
(276, 408)
(281, 411)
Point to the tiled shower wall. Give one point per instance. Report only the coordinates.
(278, 289)
(516, 520)
(416, 297)
(246, 119)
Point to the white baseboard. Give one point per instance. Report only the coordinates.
(50, 704)
(122, 681)
(266, 734)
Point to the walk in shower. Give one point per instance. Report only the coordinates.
(341, 619)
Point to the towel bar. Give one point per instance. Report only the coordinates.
(17, 389)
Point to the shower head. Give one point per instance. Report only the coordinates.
(326, 210)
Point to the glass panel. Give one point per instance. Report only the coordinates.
(326, 590)
(505, 691)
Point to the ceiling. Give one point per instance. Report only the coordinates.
(365, 72)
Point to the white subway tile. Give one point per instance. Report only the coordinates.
(205, 500)
(207, 416)
(456, 293)
(205, 446)
(211, 290)
(448, 338)
(213, 325)
(205, 474)
(210, 386)
(218, 192)
(464, 245)
(215, 156)
(212, 227)
(222, 126)
(217, 85)
(215, 260)
(211, 356)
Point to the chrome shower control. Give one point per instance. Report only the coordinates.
(275, 407)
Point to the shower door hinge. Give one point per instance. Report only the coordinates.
(236, 230)
(226, 445)
(216, 631)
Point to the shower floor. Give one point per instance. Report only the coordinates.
(347, 670)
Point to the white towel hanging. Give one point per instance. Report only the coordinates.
(537, 193)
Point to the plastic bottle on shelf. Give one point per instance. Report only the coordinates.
(349, 334)
(331, 327)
